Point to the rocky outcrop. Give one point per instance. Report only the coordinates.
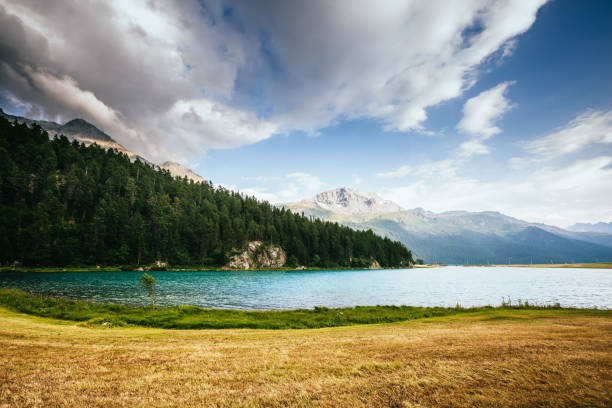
(161, 264)
(241, 261)
(155, 266)
(271, 256)
(374, 264)
(258, 255)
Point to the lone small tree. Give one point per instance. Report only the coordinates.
(148, 283)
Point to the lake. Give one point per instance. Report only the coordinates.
(446, 286)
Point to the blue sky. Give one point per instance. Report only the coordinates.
(503, 105)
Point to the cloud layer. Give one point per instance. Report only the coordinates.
(553, 195)
(589, 128)
(172, 79)
(132, 68)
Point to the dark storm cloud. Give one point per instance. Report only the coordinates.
(123, 66)
(120, 66)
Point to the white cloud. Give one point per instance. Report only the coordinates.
(473, 147)
(560, 196)
(509, 48)
(292, 187)
(387, 62)
(259, 193)
(202, 124)
(307, 181)
(444, 168)
(399, 172)
(479, 116)
(518, 163)
(587, 129)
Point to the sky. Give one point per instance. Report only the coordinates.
(477, 105)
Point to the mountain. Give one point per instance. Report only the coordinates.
(51, 127)
(459, 237)
(344, 202)
(64, 204)
(79, 130)
(601, 227)
(178, 170)
(84, 132)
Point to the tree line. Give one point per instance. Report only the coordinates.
(66, 204)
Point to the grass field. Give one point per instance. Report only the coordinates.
(521, 358)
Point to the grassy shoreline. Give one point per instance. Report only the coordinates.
(193, 317)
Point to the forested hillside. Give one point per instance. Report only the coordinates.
(63, 203)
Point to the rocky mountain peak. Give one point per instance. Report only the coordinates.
(354, 202)
(85, 130)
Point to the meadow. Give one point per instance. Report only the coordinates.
(501, 357)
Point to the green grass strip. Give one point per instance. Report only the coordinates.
(193, 317)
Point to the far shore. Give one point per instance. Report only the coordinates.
(595, 265)
(27, 269)
(429, 266)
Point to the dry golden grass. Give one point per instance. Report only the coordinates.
(513, 358)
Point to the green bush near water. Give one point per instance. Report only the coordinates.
(193, 317)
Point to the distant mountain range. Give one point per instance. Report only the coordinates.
(603, 227)
(459, 237)
(84, 132)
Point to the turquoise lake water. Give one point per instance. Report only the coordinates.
(447, 286)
